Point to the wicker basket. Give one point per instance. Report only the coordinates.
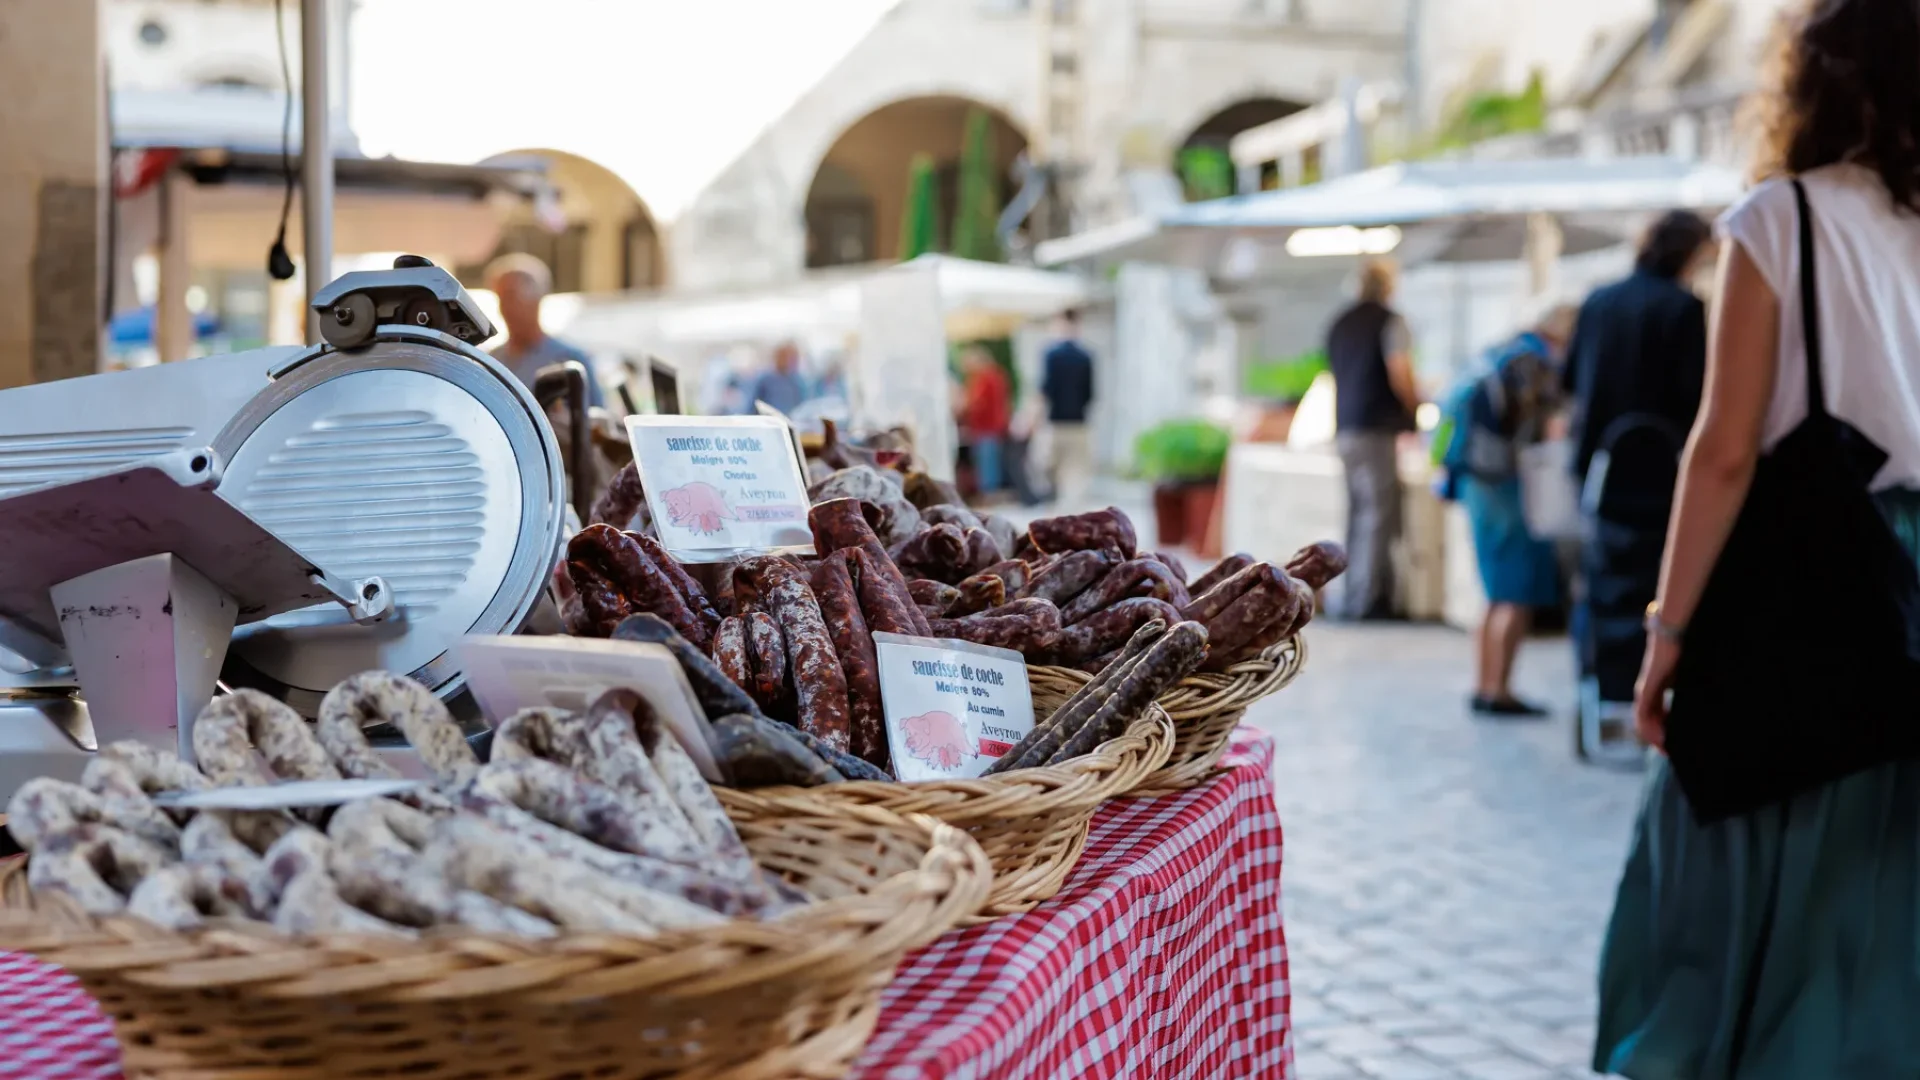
(796, 996)
(1205, 708)
(1032, 823)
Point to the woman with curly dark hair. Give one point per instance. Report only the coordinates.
(1768, 920)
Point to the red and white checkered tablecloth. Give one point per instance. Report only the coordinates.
(1162, 957)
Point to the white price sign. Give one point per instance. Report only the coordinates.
(720, 487)
(524, 671)
(953, 708)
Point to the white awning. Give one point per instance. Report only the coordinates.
(979, 299)
(1409, 193)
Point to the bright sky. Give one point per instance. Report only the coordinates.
(665, 93)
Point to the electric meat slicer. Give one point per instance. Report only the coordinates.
(279, 518)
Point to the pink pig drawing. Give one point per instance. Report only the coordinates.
(698, 506)
(938, 740)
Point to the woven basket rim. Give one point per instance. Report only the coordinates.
(1076, 786)
(1207, 692)
(844, 937)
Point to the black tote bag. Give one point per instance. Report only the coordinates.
(1802, 661)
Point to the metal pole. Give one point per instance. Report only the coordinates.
(316, 154)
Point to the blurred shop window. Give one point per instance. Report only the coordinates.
(839, 231)
(640, 256)
(840, 219)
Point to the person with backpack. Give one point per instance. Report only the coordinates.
(1503, 406)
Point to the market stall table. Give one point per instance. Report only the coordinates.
(1163, 956)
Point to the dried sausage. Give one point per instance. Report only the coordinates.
(1220, 572)
(730, 651)
(622, 561)
(1171, 562)
(717, 694)
(1169, 660)
(833, 587)
(1046, 736)
(582, 806)
(939, 553)
(631, 752)
(766, 661)
(931, 594)
(126, 804)
(1108, 629)
(1071, 575)
(683, 581)
(1107, 529)
(982, 551)
(1271, 602)
(380, 697)
(602, 604)
(820, 687)
(761, 753)
(543, 732)
(884, 598)
(623, 499)
(1318, 563)
(1025, 626)
(1135, 577)
(1206, 606)
(1302, 611)
(945, 514)
(841, 523)
(977, 594)
(183, 896)
(1014, 572)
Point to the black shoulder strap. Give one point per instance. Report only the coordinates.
(1810, 305)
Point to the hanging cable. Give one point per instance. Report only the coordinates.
(279, 263)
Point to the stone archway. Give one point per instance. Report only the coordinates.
(858, 192)
(1204, 151)
(596, 235)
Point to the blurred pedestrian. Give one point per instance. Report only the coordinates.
(1513, 401)
(986, 412)
(722, 389)
(1780, 943)
(1370, 353)
(520, 282)
(1640, 347)
(1066, 382)
(782, 386)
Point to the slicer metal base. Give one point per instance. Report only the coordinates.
(147, 638)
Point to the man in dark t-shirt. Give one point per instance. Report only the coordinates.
(1370, 354)
(1066, 381)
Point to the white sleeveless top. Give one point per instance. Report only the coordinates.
(1869, 294)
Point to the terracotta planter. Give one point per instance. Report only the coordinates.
(1170, 514)
(1200, 502)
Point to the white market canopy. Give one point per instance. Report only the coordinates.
(978, 299)
(1406, 195)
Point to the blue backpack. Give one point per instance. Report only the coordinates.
(1470, 439)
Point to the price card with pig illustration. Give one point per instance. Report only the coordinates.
(720, 487)
(952, 707)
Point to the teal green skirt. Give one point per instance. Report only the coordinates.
(1780, 945)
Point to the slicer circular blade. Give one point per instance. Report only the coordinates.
(419, 460)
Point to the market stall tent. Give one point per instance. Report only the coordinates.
(977, 299)
(1408, 196)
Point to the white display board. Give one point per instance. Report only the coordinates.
(900, 371)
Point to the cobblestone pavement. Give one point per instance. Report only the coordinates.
(1447, 878)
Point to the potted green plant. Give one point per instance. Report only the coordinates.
(1278, 385)
(1183, 460)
